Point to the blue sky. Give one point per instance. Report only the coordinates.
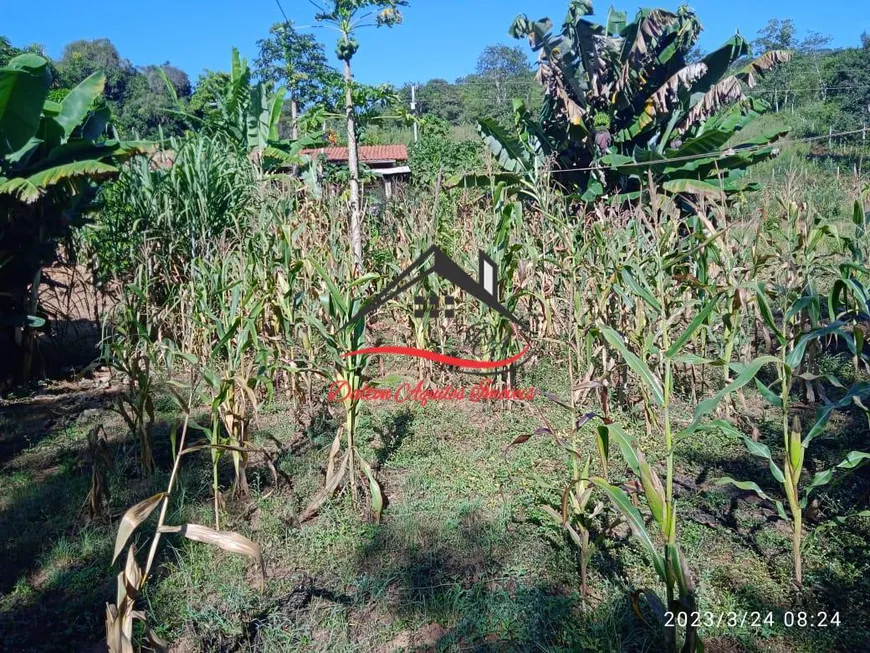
(440, 38)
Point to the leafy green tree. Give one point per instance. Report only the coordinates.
(800, 79)
(776, 35)
(438, 97)
(294, 60)
(346, 17)
(847, 74)
(7, 51)
(502, 73)
(149, 108)
(83, 58)
(435, 157)
(500, 65)
(206, 94)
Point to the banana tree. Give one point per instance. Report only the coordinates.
(622, 101)
(51, 155)
(249, 115)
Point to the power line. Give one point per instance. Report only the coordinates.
(281, 9)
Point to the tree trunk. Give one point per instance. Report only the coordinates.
(353, 164)
(294, 111)
(28, 335)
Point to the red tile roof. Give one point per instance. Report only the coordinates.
(367, 153)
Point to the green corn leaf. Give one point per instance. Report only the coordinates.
(857, 391)
(694, 325)
(766, 314)
(334, 293)
(858, 214)
(819, 479)
(644, 293)
(776, 471)
(842, 518)
(374, 489)
(745, 376)
(635, 521)
(749, 485)
(796, 355)
(636, 364)
(602, 441)
(852, 460)
(626, 443)
(772, 398)
(692, 359)
(801, 304)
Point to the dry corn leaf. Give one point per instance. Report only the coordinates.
(132, 573)
(226, 540)
(326, 492)
(131, 520)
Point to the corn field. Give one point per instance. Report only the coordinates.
(642, 427)
(237, 287)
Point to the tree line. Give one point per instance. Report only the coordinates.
(142, 104)
(829, 87)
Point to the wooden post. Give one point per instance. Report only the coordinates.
(863, 147)
(414, 108)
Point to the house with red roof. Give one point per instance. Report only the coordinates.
(389, 162)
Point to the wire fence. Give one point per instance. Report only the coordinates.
(715, 154)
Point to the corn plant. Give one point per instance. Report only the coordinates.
(793, 344)
(505, 253)
(850, 294)
(341, 337)
(121, 614)
(575, 515)
(236, 363)
(127, 350)
(658, 288)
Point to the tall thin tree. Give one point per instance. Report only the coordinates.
(295, 60)
(347, 16)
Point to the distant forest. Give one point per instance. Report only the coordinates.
(826, 88)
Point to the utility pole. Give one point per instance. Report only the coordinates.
(414, 108)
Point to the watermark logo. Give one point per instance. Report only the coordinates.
(485, 290)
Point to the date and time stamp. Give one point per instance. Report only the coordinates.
(789, 619)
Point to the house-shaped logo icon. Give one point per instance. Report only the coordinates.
(485, 290)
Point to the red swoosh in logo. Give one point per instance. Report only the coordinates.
(413, 352)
